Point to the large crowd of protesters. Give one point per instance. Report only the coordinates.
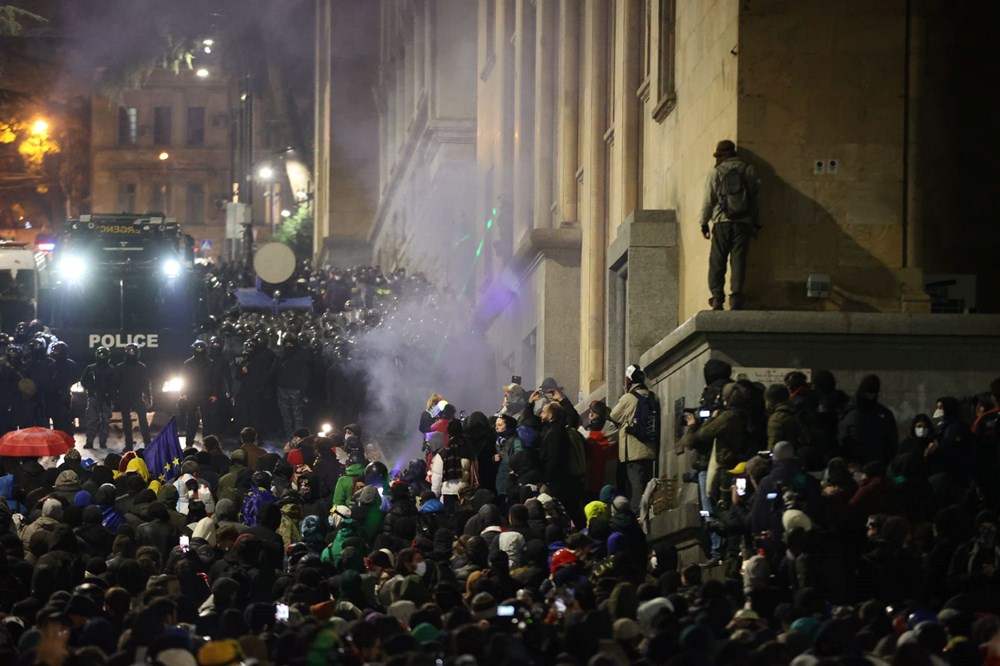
(831, 542)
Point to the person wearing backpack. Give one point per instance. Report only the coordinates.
(731, 205)
(637, 417)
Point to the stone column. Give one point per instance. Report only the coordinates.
(524, 117)
(546, 17)
(627, 113)
(568, 101)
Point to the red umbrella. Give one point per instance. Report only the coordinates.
(35, 443)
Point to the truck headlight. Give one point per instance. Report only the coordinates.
(72, 268)
(171, 268)
(173, 385)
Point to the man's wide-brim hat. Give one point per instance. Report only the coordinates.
(724, 147)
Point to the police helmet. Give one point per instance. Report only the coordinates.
(14, 354)
(199, 346)
(59, 350)
(37, 345)
(376, 468)
(102, 354)
(132, 349)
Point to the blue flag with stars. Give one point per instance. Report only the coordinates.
(163, 455)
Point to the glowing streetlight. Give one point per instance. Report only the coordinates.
(286, 213)
(201, 73)
(208, 42)
(164, 156)
(39, 127)
(208, 49)
(266, 173)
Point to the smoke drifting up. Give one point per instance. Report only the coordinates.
(421, 348)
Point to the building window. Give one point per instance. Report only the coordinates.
(128, 129)
(195, 213)
(666, 96)
(196, 126)
(161, 198)
(126, 197)
(161, 126)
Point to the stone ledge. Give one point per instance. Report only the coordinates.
(783, 323)
(544, 242)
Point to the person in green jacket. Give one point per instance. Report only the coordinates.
(724, 433)
(782, 424)
(344, 490)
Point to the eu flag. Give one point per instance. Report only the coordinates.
(163, 456)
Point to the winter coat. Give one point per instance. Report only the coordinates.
(480, 439)
(292, 370)
(629, 447)
(727, 431)
(132, 379)
(555, 452)
(400, 526)
(869, 432)
(713, 208)
(783, 426)
(289, 530)
(344, 490)
(202, 379)
(227, 488)
(158, 533)
(432, 517)
(507, 446)
(789, 475)
(329, 477)
(439, 484)
(254, 454)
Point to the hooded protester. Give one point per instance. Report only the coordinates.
(328, 470)
(111, 517)
(400, 525)
(259, 494)
(868, 430)
(480, 439)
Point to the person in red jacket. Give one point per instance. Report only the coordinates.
(600, 451)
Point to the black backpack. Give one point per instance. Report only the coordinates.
(645, 425)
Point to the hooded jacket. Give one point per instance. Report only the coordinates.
(344, 489)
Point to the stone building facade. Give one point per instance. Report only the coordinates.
(594, 128)
(426, 100)
(185, 118)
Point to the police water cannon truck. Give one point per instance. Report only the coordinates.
(124, 279)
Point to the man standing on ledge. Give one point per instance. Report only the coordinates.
(731, 204)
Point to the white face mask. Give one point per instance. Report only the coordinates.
(938, 413)
(421, 568)
(920, 431)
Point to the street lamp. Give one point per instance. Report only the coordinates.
(266, 173)
(201, 73)
(164, 156)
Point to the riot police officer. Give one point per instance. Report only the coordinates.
(223, 410)
(14, 398)
(292, 373)
(98, 382)
(22, 335)
(41, 370)
(67, 373)
(201, 390)
(134, 393)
